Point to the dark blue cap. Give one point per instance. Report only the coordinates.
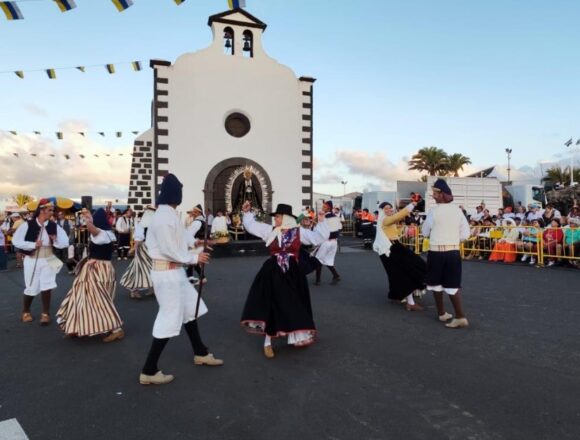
(171, 192)
(442, 186)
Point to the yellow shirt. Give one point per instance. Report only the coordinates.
(390, 227)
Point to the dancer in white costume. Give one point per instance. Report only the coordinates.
(327, 250)
(36, 238)
(138, 274)
(167, 242)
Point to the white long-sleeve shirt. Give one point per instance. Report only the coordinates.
(139, 233)
(167, 238)
(219, 225)
(123, 225)
(18, 241)
(103, 237)
(316, 237)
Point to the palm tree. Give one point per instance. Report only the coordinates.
(456, 162)
(431, 159)
(557, 175)
(22, 199)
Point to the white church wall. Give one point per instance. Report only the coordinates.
(194, 96)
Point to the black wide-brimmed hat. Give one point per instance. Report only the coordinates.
(284, 210)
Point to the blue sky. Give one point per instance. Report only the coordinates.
(393, 76)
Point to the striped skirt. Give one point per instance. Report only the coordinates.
(88, 309)
(138, 274)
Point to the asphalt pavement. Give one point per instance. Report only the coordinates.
(376, 371)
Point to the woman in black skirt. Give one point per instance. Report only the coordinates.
(278, 303)
(405, 269)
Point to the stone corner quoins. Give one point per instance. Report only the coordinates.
(306, 87)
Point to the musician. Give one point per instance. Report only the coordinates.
(36, 238)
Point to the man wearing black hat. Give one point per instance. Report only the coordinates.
(167, 242)
(327, 250)
(446, 227)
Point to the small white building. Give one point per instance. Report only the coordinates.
(228, 121)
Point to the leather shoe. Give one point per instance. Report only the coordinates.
(445, 317)
(27, 317)
(208, 360)
(335, 280)
(268, 351)
(458, 323)
(157, 379)
(114, 335)
(44, 319)
(414, 308)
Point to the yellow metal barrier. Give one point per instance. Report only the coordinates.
(507, 243)
(561, 244)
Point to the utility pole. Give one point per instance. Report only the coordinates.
(344, 182)
(509, 155)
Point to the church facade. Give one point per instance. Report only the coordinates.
(230, 122)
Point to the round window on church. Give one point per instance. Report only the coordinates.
(237, 125)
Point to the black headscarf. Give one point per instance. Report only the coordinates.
(100, 220)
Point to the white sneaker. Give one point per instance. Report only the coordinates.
(532, 261)
(525, 258)
(550, 263)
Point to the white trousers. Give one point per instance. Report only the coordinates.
(177, 299)
(40, 279)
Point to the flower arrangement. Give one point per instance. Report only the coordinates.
(221, 236)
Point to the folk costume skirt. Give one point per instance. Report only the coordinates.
(406, 271)
(278, 304)
(88, 309)
(138, 274)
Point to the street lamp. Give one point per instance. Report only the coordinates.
(344, 182)
(509, 155)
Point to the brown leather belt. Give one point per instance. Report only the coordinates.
(166, 265)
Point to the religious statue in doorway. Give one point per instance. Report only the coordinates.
(248, 192)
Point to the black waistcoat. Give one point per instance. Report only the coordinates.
(33, 232)
(201, 233)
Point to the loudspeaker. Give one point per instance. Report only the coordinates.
(87, 202)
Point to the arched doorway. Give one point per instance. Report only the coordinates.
(227, 181)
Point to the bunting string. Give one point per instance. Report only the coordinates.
(62, 134)
(12, 11)
(26, 155)
(136, 66)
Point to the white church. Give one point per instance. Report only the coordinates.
(230, 122)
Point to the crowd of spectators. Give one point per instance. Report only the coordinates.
(508, 236)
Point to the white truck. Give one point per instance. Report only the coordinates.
(470, 192)
(527, 194)
(372, 199)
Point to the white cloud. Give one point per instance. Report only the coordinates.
(42, 175)
(35, 110)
